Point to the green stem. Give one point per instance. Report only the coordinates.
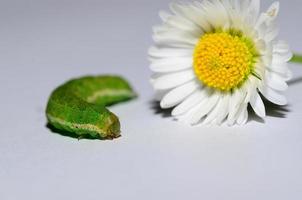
(296, 59)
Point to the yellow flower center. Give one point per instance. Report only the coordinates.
(224, 60)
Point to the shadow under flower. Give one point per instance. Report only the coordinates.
(155, 106)
(272, 110)
(295, 81)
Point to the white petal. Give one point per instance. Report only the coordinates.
(254, 9)
(281, 68)
(266, 20)
(161, 28)
(257, 105)
(273, 10)
(178, 94)
(250, 87)
(190, 102)
(173, 80)
(171, 64)
(288, 75)
(269, 15)
(203, 108)
(164, 15)
(260, 45)
(237, 98)
(181, 23)
(275, 82)
(244, 6)
(170, 52)
(261, 27)
(235, 102)
(224, 110)
(281, 47)
(154, 77)
(282, 57)
(215, 13)
(271, 33)
(216, 112)
(273, 96)
(175, 39)
(228, 5)
(284, 73)
(243, 114)
(260, 75)
(193, 14)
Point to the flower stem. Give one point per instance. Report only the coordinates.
(296, 59)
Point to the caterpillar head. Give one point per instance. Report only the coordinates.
(111, 130)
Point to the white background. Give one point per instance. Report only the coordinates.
(44, 43)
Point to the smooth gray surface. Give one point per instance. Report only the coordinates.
(44, 43)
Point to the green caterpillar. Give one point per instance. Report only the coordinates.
(79, 106)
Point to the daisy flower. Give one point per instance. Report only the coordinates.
(212, 59)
